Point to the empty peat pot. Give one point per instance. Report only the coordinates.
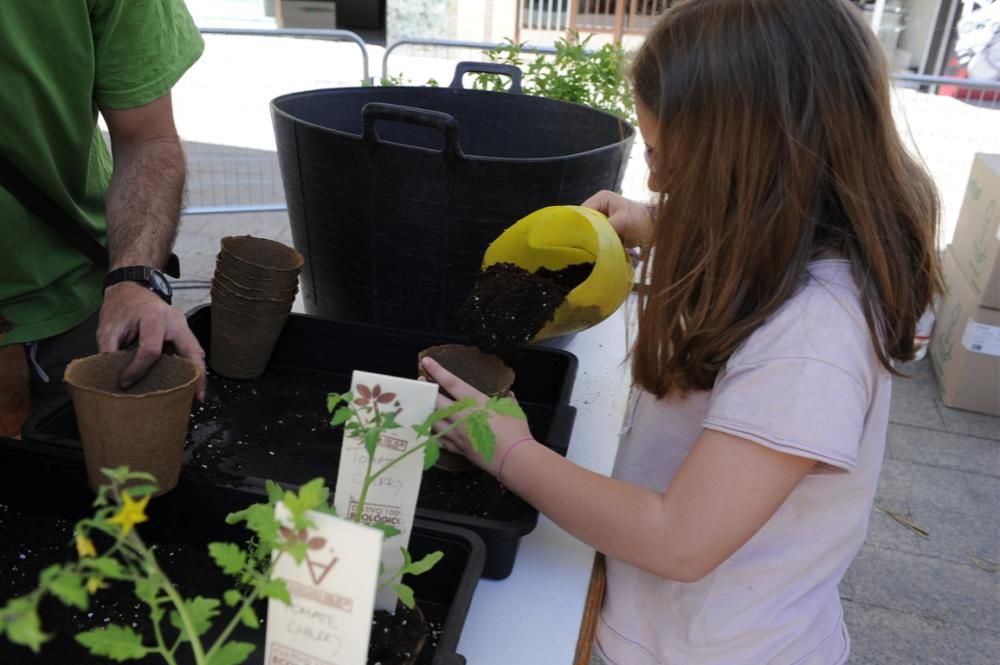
(253, 290)
(143, 427)
(484, 372)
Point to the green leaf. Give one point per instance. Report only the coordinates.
(478, 429)
(232, 653)
(231, 597)
(22, 625)
(314, 494)
(103, 566)
(425, 564)
(405, 594)
(449, 411)
(139, 491)
(229, 557)
(200, 611)
(370, 439)
(146, 589)
(332, 400)
(260, 519)
(310, 496)
(117, 474)
(133, 476)
(388, 530)
(276, 589)
(389, 421)
(341, 416)
(114, 642)
(432, 452)
(249, 618)
(505, 406)
(68, 587)
(274, 492)
(297, 550)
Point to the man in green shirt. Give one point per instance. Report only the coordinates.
(62, 63)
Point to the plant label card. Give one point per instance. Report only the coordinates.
(333, 594)
(392, 497)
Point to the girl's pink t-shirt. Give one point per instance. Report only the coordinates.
(808, 383)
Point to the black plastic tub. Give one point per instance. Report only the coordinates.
(47, 486)
(394, 193)
(276, 427)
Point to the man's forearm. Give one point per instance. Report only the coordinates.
(144, 202)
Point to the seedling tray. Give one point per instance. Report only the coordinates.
(43, 492)
(276, 426)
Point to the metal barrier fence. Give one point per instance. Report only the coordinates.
(222, 108)
(945, 122)
(614, 17)
(223, 112)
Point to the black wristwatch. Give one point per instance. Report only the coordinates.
(151, 278)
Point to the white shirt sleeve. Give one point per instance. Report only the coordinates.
(800, 406)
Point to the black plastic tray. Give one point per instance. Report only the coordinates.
(276, 427)
(49, 482)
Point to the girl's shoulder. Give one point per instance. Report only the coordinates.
(805, 381)
(823, 322)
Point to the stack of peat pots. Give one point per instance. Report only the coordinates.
(253, 290)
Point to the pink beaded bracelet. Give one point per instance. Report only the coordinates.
(507, 454)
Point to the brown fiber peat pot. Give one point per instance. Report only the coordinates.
(36, 520)
(253, 291)
(142, 427)
(484, 372)
(277, 426)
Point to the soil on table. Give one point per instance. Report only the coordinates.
(277, 427)
(30, 543)
(510, 305)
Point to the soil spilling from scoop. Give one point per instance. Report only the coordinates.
(30, 543)
(510, 305)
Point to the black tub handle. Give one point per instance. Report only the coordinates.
(510, 71)
(375, 111)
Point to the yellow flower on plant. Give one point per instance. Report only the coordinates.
(95, 583)
(132, 512)
(84, 546)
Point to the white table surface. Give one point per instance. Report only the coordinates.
(533, 617)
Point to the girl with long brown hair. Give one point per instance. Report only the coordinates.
(790, 253)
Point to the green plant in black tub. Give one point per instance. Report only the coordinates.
(595, 78)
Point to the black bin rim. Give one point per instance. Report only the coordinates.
(628, 130)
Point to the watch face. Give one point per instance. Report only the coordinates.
(159, 283)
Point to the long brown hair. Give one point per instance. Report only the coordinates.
(776, 143)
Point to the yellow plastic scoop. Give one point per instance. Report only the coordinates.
(560, 236)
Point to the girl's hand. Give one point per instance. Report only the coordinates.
(508, 430)
(629, 219)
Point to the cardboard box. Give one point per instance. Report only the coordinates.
(976, 243)
(965, 346)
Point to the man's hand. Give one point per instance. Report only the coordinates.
(629, 219)
(131, 310)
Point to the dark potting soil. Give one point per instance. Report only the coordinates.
(277, 427)
(510, 305)
(30, 543)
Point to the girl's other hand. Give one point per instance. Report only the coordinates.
(629, 219)
(508, 430)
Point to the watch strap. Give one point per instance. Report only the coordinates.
(143, 275)
(128, 274)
